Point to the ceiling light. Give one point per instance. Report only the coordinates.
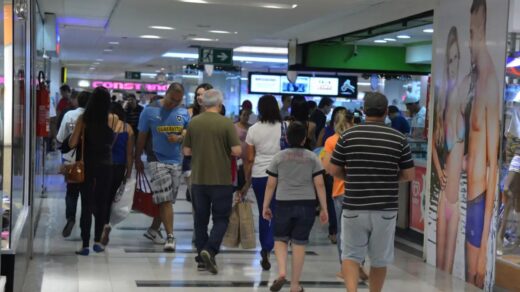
(96, 63)
(259, 59)
(181, 55)
(150, 75)
(262, 50)
(84, 83)
(428, 30)
(380, 41)
(279, 6)
(219, 31)
(294, 6)
(390, 40)
(107, 50)
(114, 43)
(92, 68)
(190, 76)
(404, 36)
(194, 1)
(203, 40)
(161, 27)
(364, 84)
(149, 36)
(99, 60)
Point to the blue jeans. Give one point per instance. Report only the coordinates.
(215, 201)
(329, 182)
(266, 228)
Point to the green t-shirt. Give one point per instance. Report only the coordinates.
(210, 137)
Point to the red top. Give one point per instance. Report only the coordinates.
(63, 104)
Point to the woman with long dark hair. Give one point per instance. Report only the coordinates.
(197, 99)
(93, 130)
(263, 142)
(300, 113)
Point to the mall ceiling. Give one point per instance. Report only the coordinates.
(107, 35)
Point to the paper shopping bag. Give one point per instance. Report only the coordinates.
(247, 225)
(232, 236)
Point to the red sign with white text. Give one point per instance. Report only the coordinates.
(417, 199)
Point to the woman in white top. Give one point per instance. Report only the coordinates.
(263, 142)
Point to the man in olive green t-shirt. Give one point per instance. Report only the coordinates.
(211, 140)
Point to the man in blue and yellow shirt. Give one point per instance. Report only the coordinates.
(167, 124)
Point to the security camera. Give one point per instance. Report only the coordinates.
(355, 51)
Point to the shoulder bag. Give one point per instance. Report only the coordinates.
(75, 172)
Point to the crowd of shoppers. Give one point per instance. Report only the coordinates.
(273, 156)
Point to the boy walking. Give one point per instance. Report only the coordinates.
(295, 173)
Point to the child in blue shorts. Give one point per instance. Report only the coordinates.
(295, 173)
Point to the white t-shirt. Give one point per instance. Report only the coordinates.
(266, 139)
(66, 128)
(419, 120)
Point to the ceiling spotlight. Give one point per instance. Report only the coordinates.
(428, 30)
(99, 60)
(92, 68)
(404, 36)
(114, 43)
(294, 6)
(390, 40)
(220, 31)
(161, 27)
(380, 41)
(108, 50)
(149, 36)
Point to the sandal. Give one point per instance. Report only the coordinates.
(278, 284)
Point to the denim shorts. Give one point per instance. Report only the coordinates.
(293, 223)
(369, 233)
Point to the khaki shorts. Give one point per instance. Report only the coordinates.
(164, 181)
(369, 233)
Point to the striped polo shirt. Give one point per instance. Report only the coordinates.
(372, 154)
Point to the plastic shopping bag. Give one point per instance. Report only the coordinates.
(232, 236)
(123, 201)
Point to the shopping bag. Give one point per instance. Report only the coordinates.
(232, 236)
(247, 225)
(123, 201)
(143, 197)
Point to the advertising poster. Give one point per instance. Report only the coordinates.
(348, 86)
(417, 197)
(468, 77)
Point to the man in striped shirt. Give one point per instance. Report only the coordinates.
(372, 158)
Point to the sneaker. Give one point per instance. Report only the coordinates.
(200, 264)
(98, 247)
(67, 230)
(104, 236)
(170, 243)
(266, 265)
(209, 261)
(83, 251)
(155, 236)
(333, 238)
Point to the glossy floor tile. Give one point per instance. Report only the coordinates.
(132, 263)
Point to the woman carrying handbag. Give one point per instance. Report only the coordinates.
(95, 128)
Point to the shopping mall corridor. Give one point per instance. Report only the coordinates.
(132, 263)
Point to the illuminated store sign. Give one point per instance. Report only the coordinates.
(130, 85)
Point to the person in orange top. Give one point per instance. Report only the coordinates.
(343, 120)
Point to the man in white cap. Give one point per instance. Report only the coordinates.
(417, 114)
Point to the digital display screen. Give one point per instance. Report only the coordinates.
(264, 83)
(348, 86)
(301, 86)
(324, 86)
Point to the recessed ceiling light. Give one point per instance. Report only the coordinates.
(114, 43)
(404, 36)
(390, 40)
(194, 1)
(236, 32)
(108, 50)
(262, 50)
(99, 60)
(161, 27)
(96, 63)
(294, 6)
(92, 68)
(149, 36)
(180, 55)
(428, 30)
(279, 6)
(203, 40)
(380, 41)
(220, 31)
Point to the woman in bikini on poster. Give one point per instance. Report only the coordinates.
(448, 154)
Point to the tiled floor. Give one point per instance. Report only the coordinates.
(133, 263)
